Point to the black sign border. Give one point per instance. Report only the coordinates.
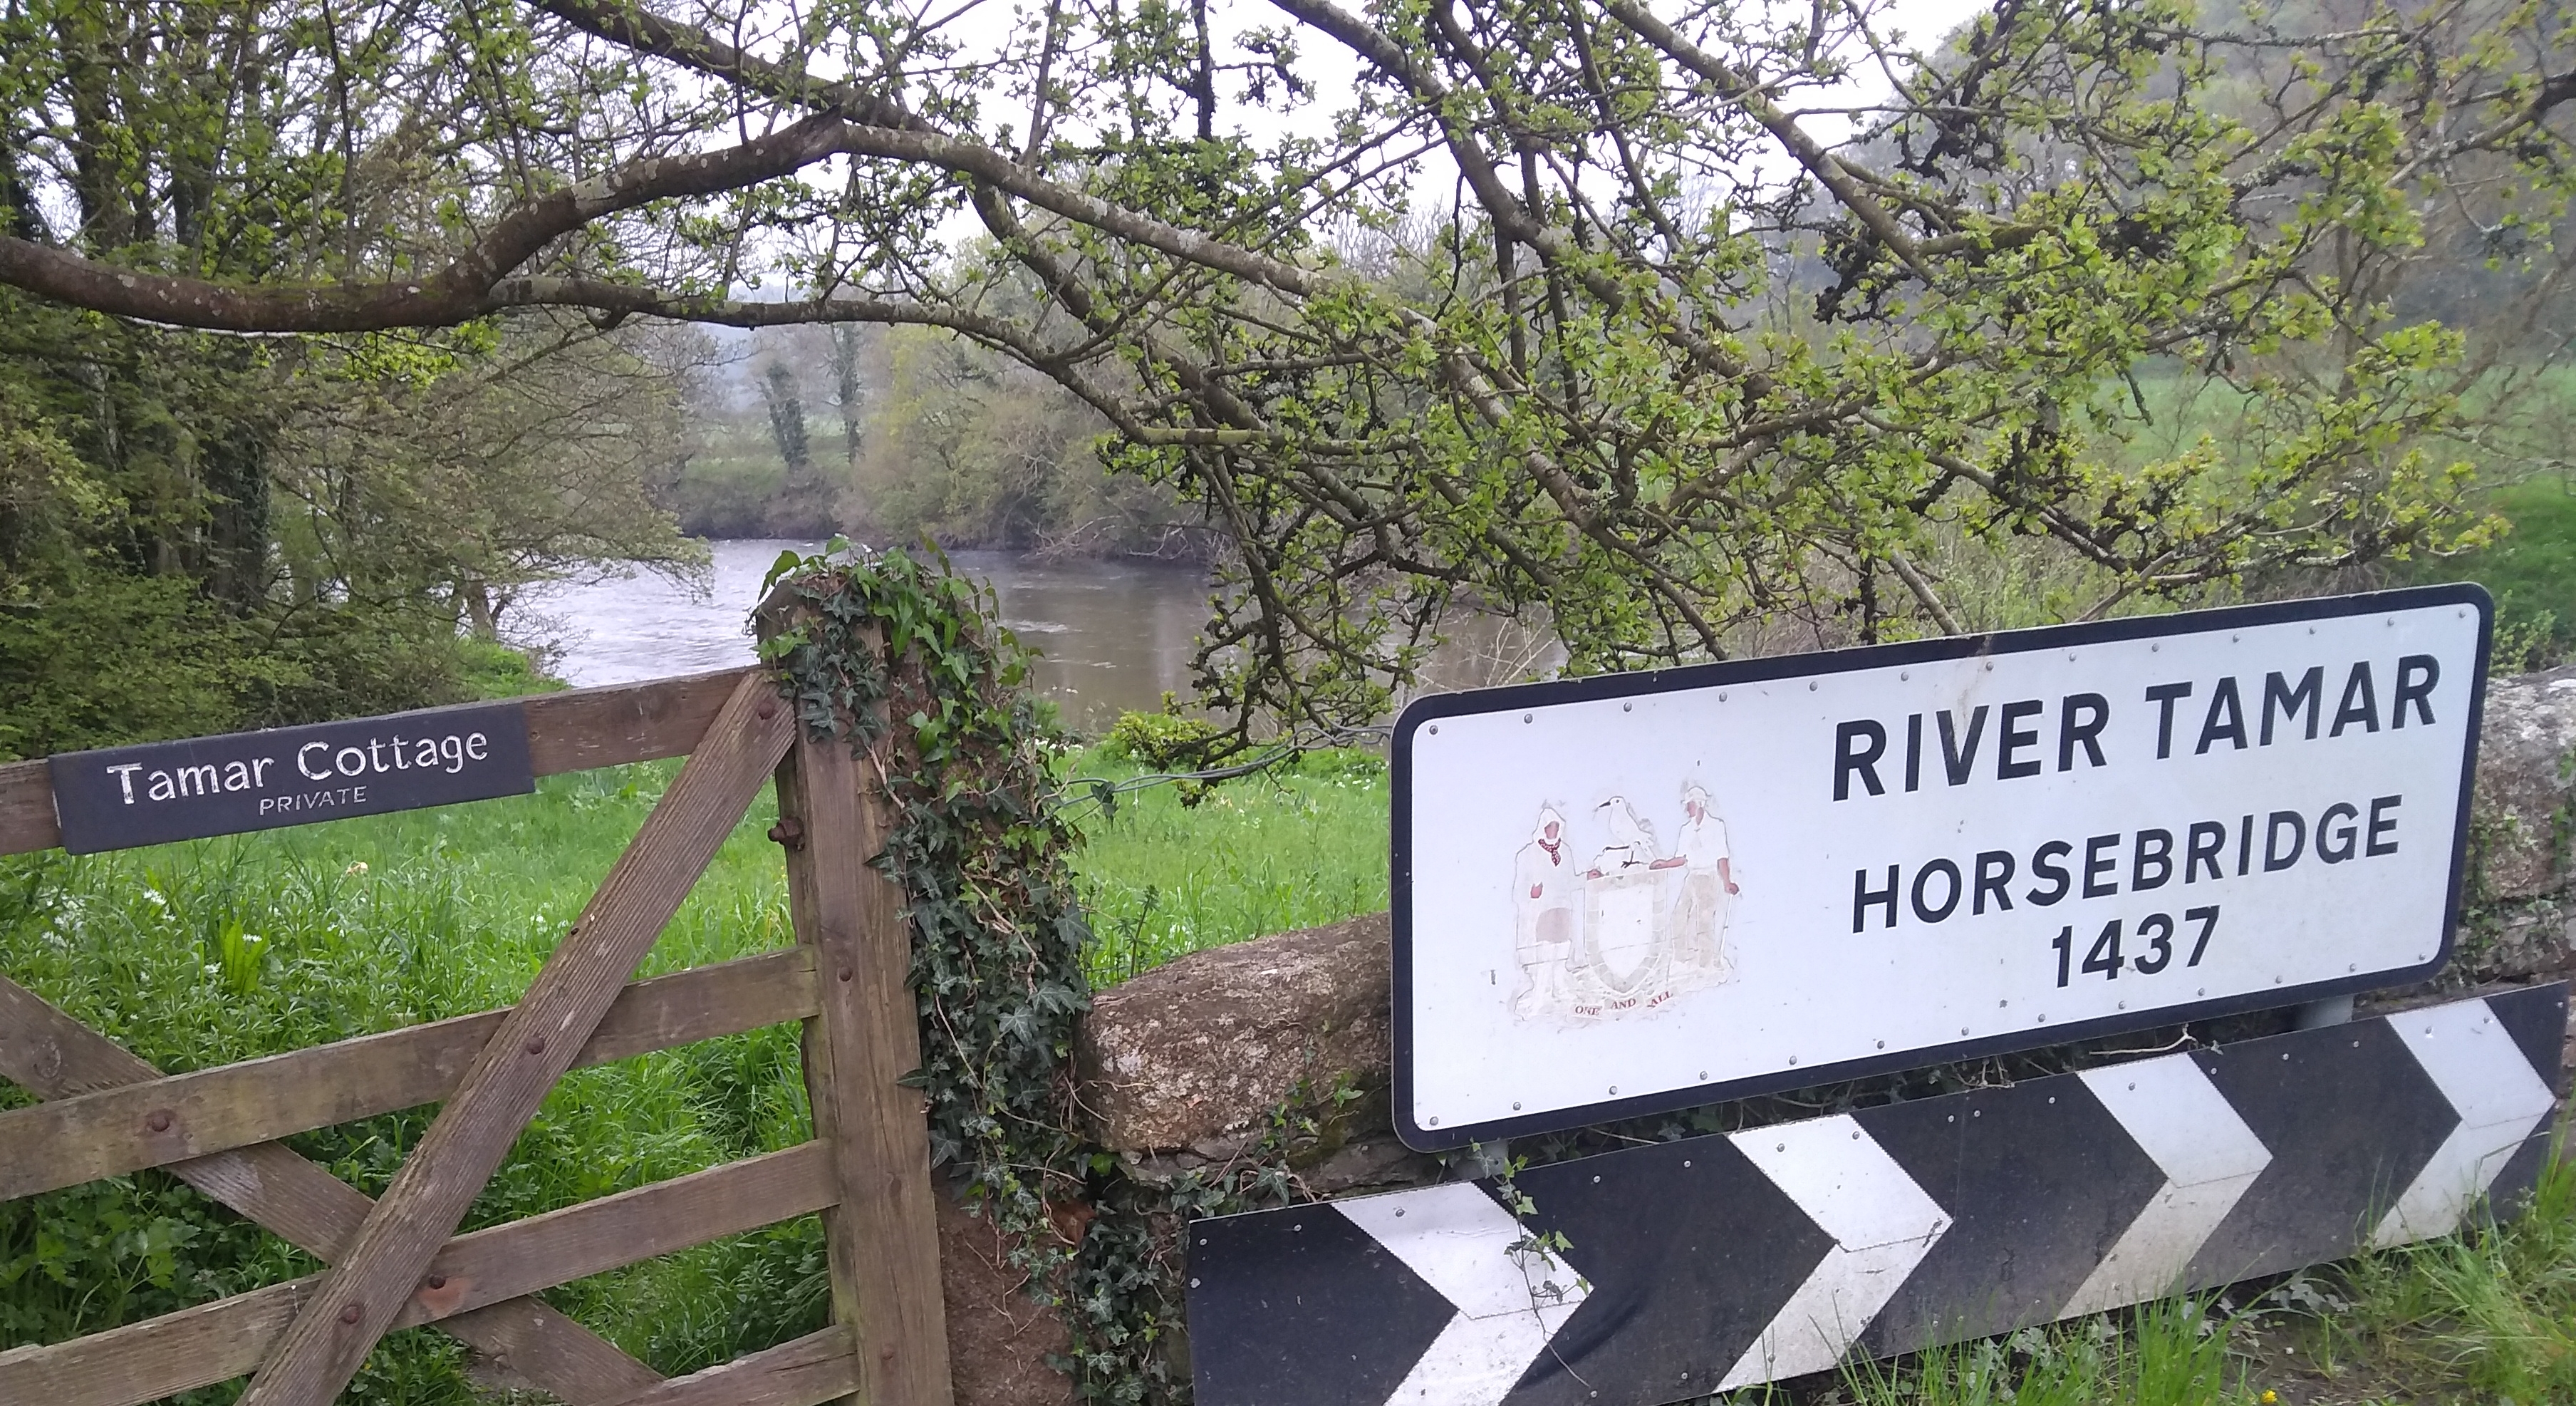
(1433, 708)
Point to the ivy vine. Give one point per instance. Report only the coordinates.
(901, 657)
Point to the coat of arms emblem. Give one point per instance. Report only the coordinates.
(1627, 926)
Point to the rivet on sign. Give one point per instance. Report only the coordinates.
(1435, 1122)
(1882, 1044)
(1194, 1283)
(1721, 695)
(536, 1044)
(1903, 674)
(2002, 1003)
(2154, 648)
(1297, 1227)
(1614, 1088)
(2124, 1005)
(1963, 1030)
(351, 1314)
(2133, 1088)
(1516, 1108)
(1703, 1074)
(1811, 685)
(2231, 639)
(845, 973)
(2285, 1056)
(159, 1122)
(1954, 1117)
(768, 709)
(2070, 656)
(1202, 1239)
(1627, 707)
(1782, 1147)
(1976, 1113)
(2052, 1098)
(1793, 1059)
(2276, 981)
(2201, 992)
(1855, 1134)
(2356, 1044)
(1990, 666)
(1596, 1179)
(1435, 729)
(1399, 1211)
(1685, 1162)
(1529, 717)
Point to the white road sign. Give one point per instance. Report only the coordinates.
(1632, 893)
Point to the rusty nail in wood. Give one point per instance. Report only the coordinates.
(789, 831)
(351, 1314)
(438, 1281)
(845, 973)
(536, 1044)
(768, 709)
(159, 1122)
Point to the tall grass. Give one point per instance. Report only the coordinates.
(2173, 1352)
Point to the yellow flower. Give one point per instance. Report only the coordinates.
(2269, 1396)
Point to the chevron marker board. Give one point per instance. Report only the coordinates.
(1670, 1271)
(1632, 893)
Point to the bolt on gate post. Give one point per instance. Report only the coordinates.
(881, 1238)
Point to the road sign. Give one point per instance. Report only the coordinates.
(1621, 895)
(1697, 1266)
(120, 797)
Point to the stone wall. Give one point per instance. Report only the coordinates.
(1188, 1063)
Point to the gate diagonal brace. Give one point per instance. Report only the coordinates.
(361, 1295)
(1709, 1263)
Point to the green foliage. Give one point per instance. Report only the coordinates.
(2171, 1352)
(1166, 741)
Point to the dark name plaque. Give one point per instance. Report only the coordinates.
(120, 797)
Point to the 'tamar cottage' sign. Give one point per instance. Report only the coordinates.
(120, 797)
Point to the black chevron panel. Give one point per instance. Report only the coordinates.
(2536, 1017)
(2040, 1180)
(2350, 1118)
(1978, 1213)
(1689, 1250)
(1299, 1306)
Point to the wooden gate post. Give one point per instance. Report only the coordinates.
(882, 1239)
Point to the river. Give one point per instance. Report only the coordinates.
(1109, 636)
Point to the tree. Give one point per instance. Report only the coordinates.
(1599, 391)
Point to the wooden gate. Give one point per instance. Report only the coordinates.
(397, 1262)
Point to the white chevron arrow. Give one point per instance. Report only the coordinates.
(2500, 1098)
(1883, 1225)
(2209, 1157)
(1511, 1298)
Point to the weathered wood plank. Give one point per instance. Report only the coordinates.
(812, 1369)
(583, 728)
(536, 1043)
(506, 1261)
(228, 1338)
(27, 808)
(50, 1054)
(882, 1240)
(113, 1131)
(570, 731)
